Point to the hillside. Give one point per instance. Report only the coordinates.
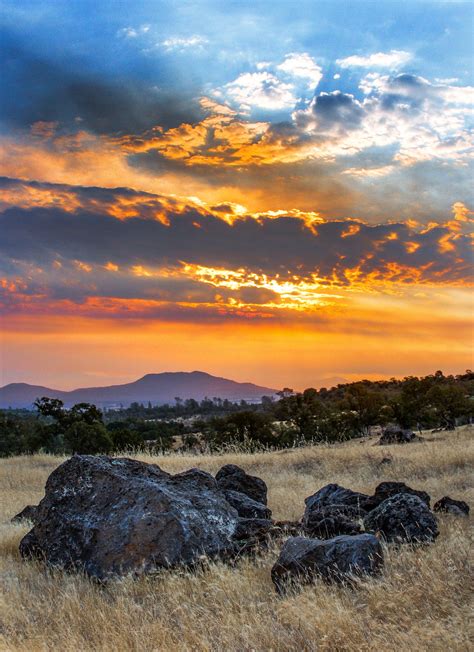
(422, 601)
(156, 388)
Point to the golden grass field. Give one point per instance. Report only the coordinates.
(422, 602)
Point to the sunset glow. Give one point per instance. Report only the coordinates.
(204, 195)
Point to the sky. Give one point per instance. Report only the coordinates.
(277, 192)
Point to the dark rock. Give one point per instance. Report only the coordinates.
(110, 517)
(334, 560)
(451, 506)
(287, 528)
(26, 514)
(251, 534)
(331, 521)
(246, 507)
(349, 502)
(397, 435)
(233, 478)
(403, 518)
(387, 489)
(252, 529)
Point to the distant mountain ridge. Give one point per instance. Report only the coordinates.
(157, 388)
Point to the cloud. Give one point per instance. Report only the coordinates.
(391, 60)
(260, 89)
(329, 109)
(157, 233)
(133, 32)
(302, 65)
(48, 90)
(184, 43)
(121, 254)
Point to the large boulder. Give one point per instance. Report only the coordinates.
(351, 503)
(110, 517)
(251, 534)
(403, 518)
(28, 513)
(451, 506)
(396, 435)
(387, 489)
(331, 521)
(340, 559)
(246, 507)
(232, 478)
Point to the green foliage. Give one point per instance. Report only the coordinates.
(250, 427)
(87, 438)
(335, 414)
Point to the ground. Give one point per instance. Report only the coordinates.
(420, 603)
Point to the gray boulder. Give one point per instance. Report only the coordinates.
(110, 517)
(340, 559)
(403, 518)
(331, 521)
(387, 489)
(396, 435)
(251, 534)
(232, 478)
(246, 507)
(349, 502)
(26, 514)
(451, 506)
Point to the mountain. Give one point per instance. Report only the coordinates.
(157, 388)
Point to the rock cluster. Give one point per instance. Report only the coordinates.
(396, 435)
(110, 517)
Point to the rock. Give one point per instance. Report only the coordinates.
(287, 528)
(26, 514)
(330, 521)
(387, 489)
(334, 560)
(397, 435)
(247, 507)
(347, 501)
(110, 517)
(403, 518)
(451, 506)
(233, 478)
(251, 533)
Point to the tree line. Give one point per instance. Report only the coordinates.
(342, 412)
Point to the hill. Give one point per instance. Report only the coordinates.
(156, 388)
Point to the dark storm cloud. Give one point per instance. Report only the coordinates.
(337, 107)
(38, 88)
(284, 245)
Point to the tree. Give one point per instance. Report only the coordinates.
(50, 407)
(239, 427)
(125, 439)
(88, 439)
(366, 405)
(84, 412)
(449, 402)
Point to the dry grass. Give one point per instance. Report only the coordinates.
(421, 602)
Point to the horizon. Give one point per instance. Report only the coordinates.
(278, 192)
(318, 385)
